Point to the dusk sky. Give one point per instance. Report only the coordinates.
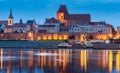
(100, 10)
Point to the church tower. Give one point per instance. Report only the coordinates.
(10, 18)
(62, 11)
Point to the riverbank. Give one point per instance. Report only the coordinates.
(28, 44)
(50, 45)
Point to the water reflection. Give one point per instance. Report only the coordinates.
(59, 61)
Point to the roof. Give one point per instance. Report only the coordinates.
(3, 22)
(16, 25)
(77, 17)
(46, 25)
(10, 14)
(19, 25)
(63, 8)
(30, 22)
(98, 23)
(51, 20)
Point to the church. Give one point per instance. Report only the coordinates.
(71, 19)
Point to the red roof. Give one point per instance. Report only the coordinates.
(3, 22)
(77, 17)
(51, 20)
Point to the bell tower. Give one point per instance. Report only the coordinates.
(10, 18)
(62, 11)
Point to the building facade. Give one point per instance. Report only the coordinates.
(93, 28)
(71, 19)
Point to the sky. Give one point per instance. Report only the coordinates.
(100, 10)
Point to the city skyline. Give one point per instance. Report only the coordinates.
(34, 9)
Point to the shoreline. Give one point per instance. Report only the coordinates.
(6, 44)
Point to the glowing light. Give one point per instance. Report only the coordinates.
(60, 37)
(55, 36)
(1, 60)
(110, 60)
(30, 35)
(83, 59)
(49, 37)
(39, 38)
(118, 61)
(44, 37)
(65, 36)
(55, 59)
(104, 59)
(21, 61)
(30, 62)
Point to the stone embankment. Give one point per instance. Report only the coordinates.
(29, 44)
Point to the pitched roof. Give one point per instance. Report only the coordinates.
(77, 17)
(98, 23)
(19, 25)
(3, 22)
(51, 20)
(11, 14)
(63, 8)
(30, 22)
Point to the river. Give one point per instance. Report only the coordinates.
(59, 61)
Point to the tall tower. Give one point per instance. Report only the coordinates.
(10, 18)
(62, 11)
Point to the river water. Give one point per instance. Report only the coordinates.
(59, 61)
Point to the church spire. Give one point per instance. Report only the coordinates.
(10, 17)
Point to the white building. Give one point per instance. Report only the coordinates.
(50, 26)
(93, 28)
(118, 30)
(21, 28)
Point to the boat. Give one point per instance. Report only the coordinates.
(64, 45)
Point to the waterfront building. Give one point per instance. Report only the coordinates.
(17, 28)
(71, 19)
(33, 25)
(93, 28)
(3, 24)
(47, 29)
(118, 30)
(55, 23)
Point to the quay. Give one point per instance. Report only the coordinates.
(51, 45)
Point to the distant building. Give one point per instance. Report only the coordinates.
(10, 18)
(9, 29)
(54, 22)
(17, 28)
(71, 19)
(93, 28)
(3, 24)
(47, 28)
(33, 25)
(118, 30)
